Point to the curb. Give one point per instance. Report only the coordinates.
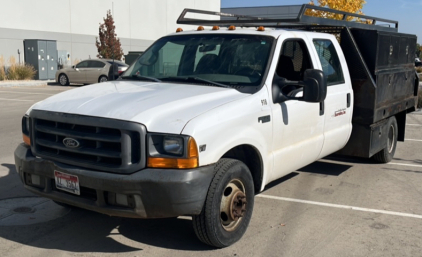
(29, 83)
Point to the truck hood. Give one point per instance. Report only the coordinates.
(161, 107)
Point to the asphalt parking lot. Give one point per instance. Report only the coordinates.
(335, 207)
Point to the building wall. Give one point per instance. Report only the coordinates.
(74, 23)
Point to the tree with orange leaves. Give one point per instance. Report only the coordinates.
(108, 44)
(352, 6)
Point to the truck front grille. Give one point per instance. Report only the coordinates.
(98, 143)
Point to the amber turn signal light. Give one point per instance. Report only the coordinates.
(26, 139)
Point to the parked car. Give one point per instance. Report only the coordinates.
(121, 65)
(88, 71)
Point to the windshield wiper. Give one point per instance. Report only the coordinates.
(140, 77)
(195, 79)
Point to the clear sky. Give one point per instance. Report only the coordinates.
(407, 12)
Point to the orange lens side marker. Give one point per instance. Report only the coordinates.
(26, 139)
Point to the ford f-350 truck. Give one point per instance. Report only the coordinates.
(205, 119)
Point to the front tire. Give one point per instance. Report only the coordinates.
(387, 154)
(228, 207)
(63, 80)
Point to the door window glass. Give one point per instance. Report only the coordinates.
(329, 61)
(96, 64)
(82, 65)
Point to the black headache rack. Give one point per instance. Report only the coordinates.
(294, 16)
(380, 62)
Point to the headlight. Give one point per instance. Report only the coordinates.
(173, 145)
(172, 151)
(26, 130)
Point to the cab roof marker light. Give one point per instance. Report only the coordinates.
(179, 30)
(215, 28)
(200, 28)
(261, 28)
(232, 27)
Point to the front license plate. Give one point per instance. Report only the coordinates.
(67, 182)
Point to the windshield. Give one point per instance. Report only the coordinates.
(231, 60)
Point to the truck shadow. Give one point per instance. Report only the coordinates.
(83, 231)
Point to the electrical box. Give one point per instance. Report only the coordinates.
(42, 54)
(132, 56)
(63, 60)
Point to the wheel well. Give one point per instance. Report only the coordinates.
(250, 156)
(102, 76)
(401, 125)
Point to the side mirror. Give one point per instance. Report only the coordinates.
(314, 88)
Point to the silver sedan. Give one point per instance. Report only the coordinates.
(88, 72)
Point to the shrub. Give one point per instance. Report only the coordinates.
(418, 69)
(2, 70)
(19, 71)
(420, 99)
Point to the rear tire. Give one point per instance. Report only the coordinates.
(63, 80)
(387, 154)
(102, 79)
(228, 207)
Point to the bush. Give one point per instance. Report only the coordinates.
(2, 69)
(19, 71)
(420, 99)
(418, 69)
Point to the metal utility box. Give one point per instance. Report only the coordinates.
(42, 54)
(386, 86)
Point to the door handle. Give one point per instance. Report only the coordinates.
(348, 100)
(321, 108)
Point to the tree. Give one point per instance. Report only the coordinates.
(352, 6)
(108, 44)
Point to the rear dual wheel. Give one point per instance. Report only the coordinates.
(228, 207)
(387, 154)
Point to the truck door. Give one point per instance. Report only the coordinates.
(297, 125)
(338, 103)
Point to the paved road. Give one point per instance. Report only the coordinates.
(334, 207)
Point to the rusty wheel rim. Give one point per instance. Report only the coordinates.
(233, 205)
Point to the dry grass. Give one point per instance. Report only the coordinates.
(2, 69)
(19, 71)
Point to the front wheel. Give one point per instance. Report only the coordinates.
(387, 154)
(228, 207)
(63, 80)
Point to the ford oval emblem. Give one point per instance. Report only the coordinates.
(71, 143)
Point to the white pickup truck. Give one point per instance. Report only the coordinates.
(205, 119)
